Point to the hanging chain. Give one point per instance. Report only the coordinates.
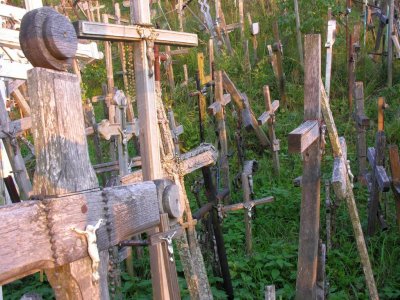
(130, 70)
(113, 273)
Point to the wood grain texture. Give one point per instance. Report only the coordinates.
(310, 203)
(59, 134)
(395, 170)
(133, 209)
(303, 136)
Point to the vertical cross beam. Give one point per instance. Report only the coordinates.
(58, 94)
(218, 108)
(149, 136)
(298, 33)
(362, 123)
(395, 170)
(306, 139)
(330, 40)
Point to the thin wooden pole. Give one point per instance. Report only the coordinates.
(390, 44)
(298, 33)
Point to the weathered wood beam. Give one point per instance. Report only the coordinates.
(395, 170)
(204, 155)
(115, 32)
(133, 209)
(310, 203)
(303, 136)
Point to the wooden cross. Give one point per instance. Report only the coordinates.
(217, 109)
(176, 131)
(221, 27)
(378, 181)
(241, 102)
(341, 180)
(306, 140)
(269, 117)
(73, 186)
(254, 31)
(362, 123)
(395, 170)
(276, 54)
(354, 40)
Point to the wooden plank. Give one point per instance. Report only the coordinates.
(14, 70)
(149, 135)
(395, 170)
(303, 136)
(17, 127)
(29, 219)
(135, 33)
(309, 212)
(12, 12)
(339, 173)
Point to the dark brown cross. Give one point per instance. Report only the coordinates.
(306, 140)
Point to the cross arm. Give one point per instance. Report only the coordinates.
(380, 172)
(202, 156)
(303, 136)
(266, 116)
(37, 234)
(115, 32)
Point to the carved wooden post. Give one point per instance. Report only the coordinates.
(63, 166)
(306, 140)
(362, 123)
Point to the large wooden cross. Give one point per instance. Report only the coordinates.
(145, 36)
(306, 140)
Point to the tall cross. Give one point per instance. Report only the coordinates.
(145, 36)
(306, 140)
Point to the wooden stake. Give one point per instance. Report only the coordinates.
(390, 44)
(298, 33)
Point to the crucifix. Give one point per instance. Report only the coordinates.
(306, 139)
(378, 179)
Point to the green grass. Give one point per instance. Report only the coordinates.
(276, 225)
